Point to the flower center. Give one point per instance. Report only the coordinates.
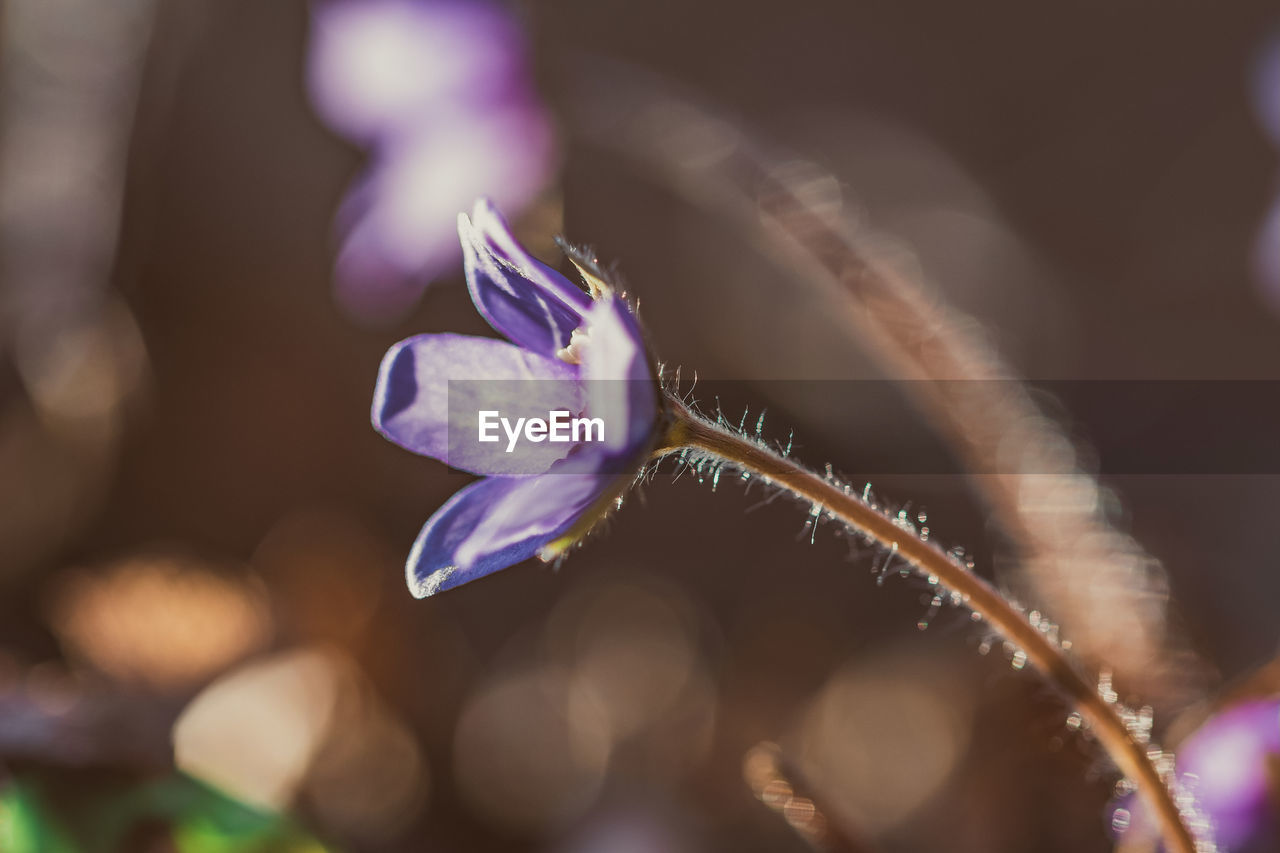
(572, 354)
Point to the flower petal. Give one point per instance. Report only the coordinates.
(1228, 761)
(495, 523)
(376, 65)
(398, 223)
(1229, 756)
(527, 301)
(497, 234)
(620, 387)
(432, 387)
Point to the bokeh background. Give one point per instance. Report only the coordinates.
(202, 539)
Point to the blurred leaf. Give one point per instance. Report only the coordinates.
(50, 813)
(24, 828)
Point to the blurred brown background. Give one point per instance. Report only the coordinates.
(1087, 179)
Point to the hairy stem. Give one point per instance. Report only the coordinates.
(1131, 755)
(1068, 550)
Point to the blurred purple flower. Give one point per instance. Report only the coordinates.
(1236, 759)
(1232, 765)
(440, 91)
(531, 503)
(398, 222)
(378, 65)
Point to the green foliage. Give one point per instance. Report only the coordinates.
(45, 812)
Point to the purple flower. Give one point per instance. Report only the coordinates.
(440, 90)
(1236, 759)
(376, 67)
(566, 350)
(1232, 765)
(397, 223)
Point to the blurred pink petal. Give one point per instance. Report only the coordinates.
(441, 92)
(377, 65)
(400, 224)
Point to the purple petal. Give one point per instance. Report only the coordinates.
(496, 523)
(424, 402)
(398, 224)
(528, 302)
(497, 234)
(620, 387)
(376, 65)
(1229, 763)
(1229, 756)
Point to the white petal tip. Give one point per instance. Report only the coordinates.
(433, 583)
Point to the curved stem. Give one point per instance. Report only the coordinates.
(1130, 755)
(792, 211)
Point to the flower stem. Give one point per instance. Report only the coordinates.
(792, 212)
(1132, 755)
